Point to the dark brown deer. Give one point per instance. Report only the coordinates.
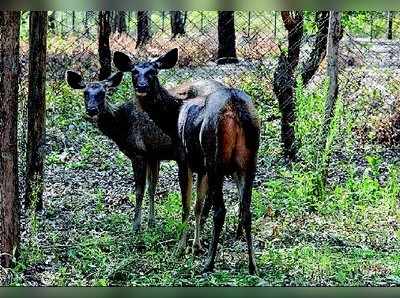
(218, 135)
(135, 134)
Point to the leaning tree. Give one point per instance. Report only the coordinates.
(284, 80)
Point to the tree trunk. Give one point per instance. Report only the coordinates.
(333, 54)
(226, 38)
(162, 21)
(318, 52)
(390, 25)
(86, 22)
(284, 81)
(201, 21)
(9, 71)
(36, 109)
(73, 21)
(143, 28)
(178, 22)
(120, 22)
(104, 44)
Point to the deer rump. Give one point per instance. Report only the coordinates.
(219, 131)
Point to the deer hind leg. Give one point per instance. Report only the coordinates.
(152, 176)
(206, 211)
(202, 185)
(140, 169)
(239, 180)
(215, 194)
(246, 218)
(185, 181)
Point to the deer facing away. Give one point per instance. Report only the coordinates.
(218, 135)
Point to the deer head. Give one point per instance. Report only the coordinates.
(144, 75)
(94, 92)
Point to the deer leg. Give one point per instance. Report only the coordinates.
(185, 181)
(139, 168)
(246, 219)
(239, 184)
(154, 169)
(215, 193)
(206, 211)
(202, 184)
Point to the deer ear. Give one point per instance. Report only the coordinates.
(122, 62)
(168, 60)
(114, 80)
(74, 80)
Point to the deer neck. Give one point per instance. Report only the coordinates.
(111, 123)
(163, 108)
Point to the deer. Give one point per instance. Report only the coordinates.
(217, 134)
(137, 136)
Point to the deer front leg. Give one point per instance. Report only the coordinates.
(153, 174)
(185, 182)
(139, 168)
(202, 185)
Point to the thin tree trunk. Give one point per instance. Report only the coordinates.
(178, 22)
(390, 25)
(248, 23)
(73, 21)
(162, 21)
(201, 21)
(371, 24)
(112, 21)
(86, 22)
(120, 22)
(319, 48)
(226, 38)
(9, 71)
(128, 25)
(104, 44)
(284, 81)
(143, 28)
(333, 54)
(36, 140)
